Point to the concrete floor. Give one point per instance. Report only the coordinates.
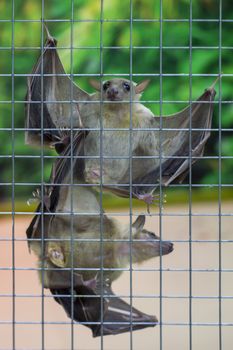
(175, 312)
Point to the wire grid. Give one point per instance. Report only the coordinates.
(161, 215)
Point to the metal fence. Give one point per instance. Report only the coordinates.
(190, 291)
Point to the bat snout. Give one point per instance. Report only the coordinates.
(167, 248)
(113, 94)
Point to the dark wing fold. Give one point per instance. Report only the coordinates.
(190, 142)
(66, 166)
(117, 316)
(60, 172)
(51, 94)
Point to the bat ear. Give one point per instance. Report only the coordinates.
(140, 87)
(139, 223)
(95, 84)
(56, 255)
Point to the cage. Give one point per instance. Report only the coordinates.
(182, 47)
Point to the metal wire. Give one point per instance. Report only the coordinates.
(13, 180)
(190, 180)
(102, 277)
(130, 177)
(72, 178)
(160, 170)
(220, 179)
(42, 187)
(162, 270)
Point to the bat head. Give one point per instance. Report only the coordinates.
(116, 90)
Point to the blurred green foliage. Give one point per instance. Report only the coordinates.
(22, 41)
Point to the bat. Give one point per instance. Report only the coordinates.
(72, 258)
(161, 148)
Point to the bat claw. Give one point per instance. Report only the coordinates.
(151, 199)
(31, 201)
(215, 82)
(147, 198)
(50, 39)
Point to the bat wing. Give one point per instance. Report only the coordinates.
(117, 316)
(120, 317)
(52, 95)
(60, 173)
(67, 165)
(178, 143)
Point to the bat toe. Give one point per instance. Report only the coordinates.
(147, 198)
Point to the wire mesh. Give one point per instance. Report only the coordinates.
(190, 291)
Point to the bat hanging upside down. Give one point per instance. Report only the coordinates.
(84, 255)
(157, 150)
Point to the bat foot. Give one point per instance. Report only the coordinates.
(37, 197)
(151, 199)
(148, 198)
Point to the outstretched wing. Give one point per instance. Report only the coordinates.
(52, 98)
(176, 145)
(117, 316)
(184, 142)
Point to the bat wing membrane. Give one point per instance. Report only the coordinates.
(52, 95)
(180, 145)
(184, 144)
(117, 316)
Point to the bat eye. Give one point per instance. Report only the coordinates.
(126, 86)
(106, 85)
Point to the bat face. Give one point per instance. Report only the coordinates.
(117, 90)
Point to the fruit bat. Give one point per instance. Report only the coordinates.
(77, 268)
(161, 148)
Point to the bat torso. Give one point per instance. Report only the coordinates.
(81, 236)
(117, 142)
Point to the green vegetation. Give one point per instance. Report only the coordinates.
(206, 58)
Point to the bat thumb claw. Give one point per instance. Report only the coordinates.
(215, 82)
(50, 39)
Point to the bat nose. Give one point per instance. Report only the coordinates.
(113, 92)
